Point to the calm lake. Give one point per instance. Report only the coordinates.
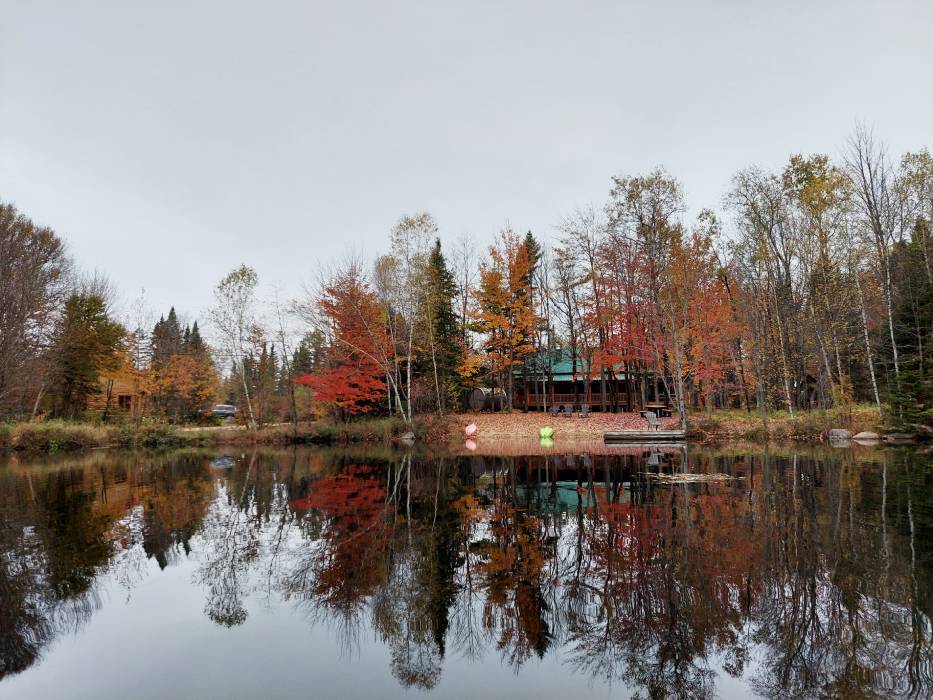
(377, 574)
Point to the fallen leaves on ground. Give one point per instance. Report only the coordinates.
(515, 425)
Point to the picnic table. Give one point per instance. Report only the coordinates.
(661, 410)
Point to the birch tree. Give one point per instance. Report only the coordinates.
(233, 315)
(875, 183)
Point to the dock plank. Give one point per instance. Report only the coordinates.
(643, 435)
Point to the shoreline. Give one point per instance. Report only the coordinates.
(448, 431)
(55, 436)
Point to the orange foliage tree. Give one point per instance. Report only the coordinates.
(188, 383)
(505, 313)
(697, 322)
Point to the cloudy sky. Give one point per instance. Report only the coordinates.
(168, 141)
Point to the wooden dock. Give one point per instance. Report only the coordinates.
(644, 436)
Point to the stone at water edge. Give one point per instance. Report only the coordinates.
(839, 434)
(866, 435)
(408, 437)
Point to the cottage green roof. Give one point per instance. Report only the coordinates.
(561, 363)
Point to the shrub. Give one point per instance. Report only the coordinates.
(147, 435)
(704, 426)
(758, 433)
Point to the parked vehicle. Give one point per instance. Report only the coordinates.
(224, 410)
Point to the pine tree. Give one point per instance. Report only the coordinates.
(309, 353)
(195, 343)
(166, 339)
(910, 397)
(444, 338)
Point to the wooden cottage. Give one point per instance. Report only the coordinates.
(559, 379)
(118, 396)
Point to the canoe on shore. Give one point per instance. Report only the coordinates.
(647, 436)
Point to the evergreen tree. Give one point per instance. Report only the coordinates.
(195, 343)
(166, 339)
(444, 337)
(533, 251)
(86, 344)
(309, 354)
(910, 398)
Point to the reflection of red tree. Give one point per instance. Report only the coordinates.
(357, 533)
(676, 577)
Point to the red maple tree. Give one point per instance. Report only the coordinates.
(351, 380)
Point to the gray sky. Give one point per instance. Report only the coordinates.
(168, 141)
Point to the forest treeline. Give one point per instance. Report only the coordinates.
(813, 288)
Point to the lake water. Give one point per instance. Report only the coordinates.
(314, 573)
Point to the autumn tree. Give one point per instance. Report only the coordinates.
(358, 355)
(504, 313)
(182, 377)
(87, 343)
(34, 269)
(696, 318)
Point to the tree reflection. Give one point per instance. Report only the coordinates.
(808, 576)
(62, 528)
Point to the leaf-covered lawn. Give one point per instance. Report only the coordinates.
(524, 425)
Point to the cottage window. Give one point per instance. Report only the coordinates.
(125, 401)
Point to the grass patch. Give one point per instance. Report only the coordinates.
(385, 429)
(59, 436)
(756, 433)
(803, 426)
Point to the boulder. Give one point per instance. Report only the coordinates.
(839, 434)
(407, 438)
(866, 435)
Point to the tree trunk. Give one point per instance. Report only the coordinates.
(249, 402)
(889, 303)
(411, 342)
(35, 406)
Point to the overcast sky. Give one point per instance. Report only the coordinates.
(169, 141)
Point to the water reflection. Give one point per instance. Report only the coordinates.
(805, 575)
